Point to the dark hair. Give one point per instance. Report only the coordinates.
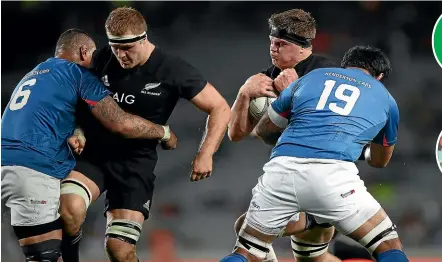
(72, 39)
(369, 58)
(294, 21)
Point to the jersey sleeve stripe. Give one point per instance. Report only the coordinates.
(90, 102)
(385, 142)
(276, 118)
(285, 114)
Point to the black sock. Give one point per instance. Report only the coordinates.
(70, 247)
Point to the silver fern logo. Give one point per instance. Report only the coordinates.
(150, 86)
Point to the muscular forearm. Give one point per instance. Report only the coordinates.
(131, 126)
(241, 123)
(267, 131)
(271, 139)
(137, 127)
(215, 129)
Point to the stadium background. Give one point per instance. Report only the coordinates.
(228, 42)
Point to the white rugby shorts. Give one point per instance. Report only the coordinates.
(330, 190)
(32, 197)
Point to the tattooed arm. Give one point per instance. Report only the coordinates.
(267, 130)
(115, 119)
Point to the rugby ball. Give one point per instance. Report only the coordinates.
(258, 106)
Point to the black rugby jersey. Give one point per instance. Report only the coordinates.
(304, 67)
(150, 91)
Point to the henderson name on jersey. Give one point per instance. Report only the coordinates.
(332, 113)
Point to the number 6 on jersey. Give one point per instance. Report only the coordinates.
(350, 100)
(20, 93)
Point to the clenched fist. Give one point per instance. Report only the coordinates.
(201, 166)
(284, 79)
(258, 85)
(77, 141)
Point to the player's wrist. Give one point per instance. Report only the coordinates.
(166, 135)
(206, 153)
(244, 93)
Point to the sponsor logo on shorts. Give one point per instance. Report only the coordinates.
(351, 192)
(33, 201)
(255, 205)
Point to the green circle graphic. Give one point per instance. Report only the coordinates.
(437, 41)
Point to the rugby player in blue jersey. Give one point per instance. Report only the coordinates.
(37, 123)
(327, 117)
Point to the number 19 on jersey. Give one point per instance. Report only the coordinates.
(350, 100)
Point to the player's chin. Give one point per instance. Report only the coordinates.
(277, 63)
(126, 65)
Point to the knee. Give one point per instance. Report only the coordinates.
(119, 251)
(121, 238)
(72, 213)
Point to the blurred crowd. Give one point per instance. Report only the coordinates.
(228, 42)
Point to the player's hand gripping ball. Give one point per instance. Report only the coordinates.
(284, 79)
(77, 141)
(258, 85)
(260, 89)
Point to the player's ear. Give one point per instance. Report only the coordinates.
(380, 76)
(83, 52)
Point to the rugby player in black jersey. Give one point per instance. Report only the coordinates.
(148, 82)
(291, 35)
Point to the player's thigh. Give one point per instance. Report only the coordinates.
(77, 184)
(332, 192)
(32, 197)
(337, 195)
(317, 234)
(274, 201)
(89, 173)
(82, 187)
(130, 185)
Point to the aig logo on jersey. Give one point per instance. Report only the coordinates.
(123, 98)
(148, 87)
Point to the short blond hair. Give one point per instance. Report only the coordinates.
(125, 20)
(294, 21)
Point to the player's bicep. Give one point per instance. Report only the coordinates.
(388, 134)
(267, 130)
(109, 114)
(382, 146)
(208, 99)
(380, 155)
